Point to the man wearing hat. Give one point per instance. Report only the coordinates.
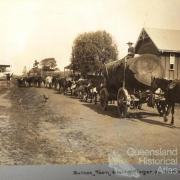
(130, 50)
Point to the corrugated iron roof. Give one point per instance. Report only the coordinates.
(165, 39)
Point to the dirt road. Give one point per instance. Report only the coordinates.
(64, 130)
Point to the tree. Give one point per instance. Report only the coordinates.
(48, 64)
(91, 50)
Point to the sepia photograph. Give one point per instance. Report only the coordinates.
(89, 89)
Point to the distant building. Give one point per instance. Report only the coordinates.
(164, 43)
(4, 70)
(3, 67)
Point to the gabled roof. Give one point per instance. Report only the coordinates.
(167, 40)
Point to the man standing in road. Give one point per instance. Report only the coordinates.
(8, 78)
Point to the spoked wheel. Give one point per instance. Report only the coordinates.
(123, 102)
(104, 98)
(140, 106)
(162, 108)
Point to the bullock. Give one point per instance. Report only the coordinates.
(171, 89)
(37, 81)
(48, 82)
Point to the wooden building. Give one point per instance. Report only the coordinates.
(3, 67)
(165, 44)
(4, 71)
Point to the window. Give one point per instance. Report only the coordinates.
(172, 61)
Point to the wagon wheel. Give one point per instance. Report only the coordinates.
(122, 102)
(161, 106)
(140, 106)
(104, 98)
(132, 105)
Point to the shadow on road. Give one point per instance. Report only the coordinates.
(146, 117)
(57, 92)
(143, 116)
(111, 111)
(134, 115)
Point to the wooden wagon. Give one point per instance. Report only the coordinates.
(128, 81)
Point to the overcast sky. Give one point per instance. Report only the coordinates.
(36, 29)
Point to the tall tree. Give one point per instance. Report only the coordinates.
(48, 64)
(91, 50)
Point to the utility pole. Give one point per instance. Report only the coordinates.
(124, 73)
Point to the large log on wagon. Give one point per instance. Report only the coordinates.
(138, 73)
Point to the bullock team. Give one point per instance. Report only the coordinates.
(84, 89)
(88, 90)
